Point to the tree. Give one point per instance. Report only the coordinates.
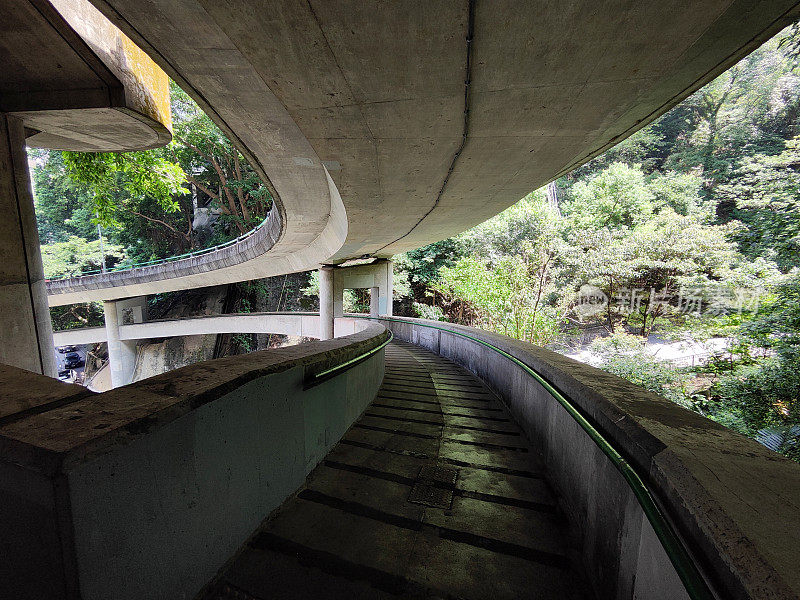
(115, 177)
(617, 196)
(766, 193)
(149, 201)
(77, 255)
(215, 167)
(767, 393)
(62, 208)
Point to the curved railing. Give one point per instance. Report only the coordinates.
(675, 549)
(169, 259)
(207, 451)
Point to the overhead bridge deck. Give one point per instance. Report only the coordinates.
(434, 491)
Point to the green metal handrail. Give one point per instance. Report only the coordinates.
(318, 378)
(159, 261)
(684, 564)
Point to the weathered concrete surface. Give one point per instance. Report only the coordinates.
(283, 323)
(77, 82)
(733, 501)
(376, 92)
(155, 358)
(144, 491)
(433, 493)
(26, 334)
(290, 241)
(121, 353)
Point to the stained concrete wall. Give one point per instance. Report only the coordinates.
(77, 82)
(164, 479)
(732, 500)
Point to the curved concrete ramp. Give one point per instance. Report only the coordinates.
(429, 116)
(434, 492)
(285, 323)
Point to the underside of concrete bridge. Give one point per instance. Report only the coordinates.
(383, 126)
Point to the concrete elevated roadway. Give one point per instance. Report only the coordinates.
(380, 127)
(443, 468)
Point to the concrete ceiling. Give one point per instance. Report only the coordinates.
(377, 88)
(375, 91)
(72, 93)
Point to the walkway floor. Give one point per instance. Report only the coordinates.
(432, 493)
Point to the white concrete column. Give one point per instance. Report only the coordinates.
(326, 303)
(375, 301)
(121, 353)
(389, 289)
(26, 332)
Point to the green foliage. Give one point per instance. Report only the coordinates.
(506, 296)
(626, 356)
(617, 196)
(766, 193)
(529, 223)
(427, 311)
(134, 174)
(89, 314)
(149, 201)
(215, 167)
(76, 255)
(420, 267)
(62, 208)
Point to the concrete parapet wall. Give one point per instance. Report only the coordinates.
(282, 323)
(732, 500)
(144, 491)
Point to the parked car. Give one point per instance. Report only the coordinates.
(64, 375)
(73, 360)
(65, 349)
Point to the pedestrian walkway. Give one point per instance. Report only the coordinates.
(434, 492)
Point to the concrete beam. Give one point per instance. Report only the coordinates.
(26, 332)
(77, 82)
(284, 323)
(375, 276)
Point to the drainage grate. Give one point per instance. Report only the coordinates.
(434, 486)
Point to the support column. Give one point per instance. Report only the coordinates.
(121, 353)
(326, 303)
(389, 288)
(375, 301)
(26, 333)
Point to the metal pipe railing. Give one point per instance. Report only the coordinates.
(160, 261)
(685, 566)
(318, 378)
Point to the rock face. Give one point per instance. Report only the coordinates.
(172, 353)
(159, 356)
